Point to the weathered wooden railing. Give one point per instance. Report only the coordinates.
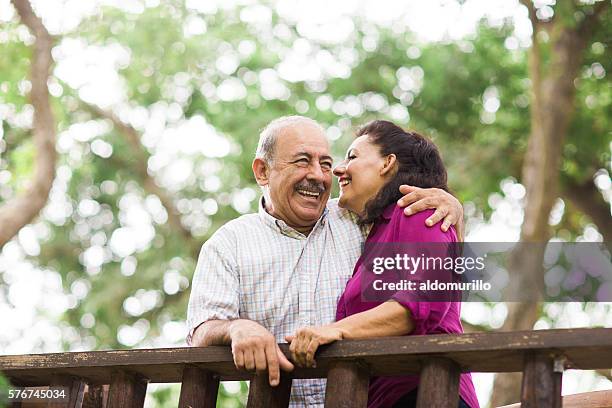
(542, 356)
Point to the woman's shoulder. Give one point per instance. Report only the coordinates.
(413, 227)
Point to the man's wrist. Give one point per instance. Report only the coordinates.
(234, 329)
(241, 328)
(211, 333)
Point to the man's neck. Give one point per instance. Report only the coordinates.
(270, 210)
(304, 230)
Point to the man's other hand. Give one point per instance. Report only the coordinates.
(446, 206)
(254, 349)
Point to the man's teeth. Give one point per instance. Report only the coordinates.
(345, 182)
(308, 193)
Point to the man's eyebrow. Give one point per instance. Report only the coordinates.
(299, 154)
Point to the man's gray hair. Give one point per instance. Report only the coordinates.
(268, 136)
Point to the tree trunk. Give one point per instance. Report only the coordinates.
(23, 208)
(552, 106)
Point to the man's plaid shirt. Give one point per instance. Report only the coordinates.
(256, 267)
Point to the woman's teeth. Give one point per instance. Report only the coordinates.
(344, 182)
(309, 193)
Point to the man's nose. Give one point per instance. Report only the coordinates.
(316, 172)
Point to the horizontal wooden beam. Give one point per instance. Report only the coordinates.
(593, 399)
(480, 352)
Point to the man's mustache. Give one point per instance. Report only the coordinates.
(311, 186)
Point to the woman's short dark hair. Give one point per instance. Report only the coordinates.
(419, 164)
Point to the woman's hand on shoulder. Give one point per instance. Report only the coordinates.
(306, 341)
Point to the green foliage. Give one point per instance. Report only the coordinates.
(22, 160)
(14, 65)
(4, 387)
(440, 88)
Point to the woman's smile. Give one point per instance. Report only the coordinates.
(344, 181)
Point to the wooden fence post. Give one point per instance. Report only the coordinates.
(199, 388)
(541, 386)
(96, 396)
(76, 389)
(261, 394)
(439, 385)
(347, 385)
(127, 390)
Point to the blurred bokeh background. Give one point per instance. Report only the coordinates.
(153, 109)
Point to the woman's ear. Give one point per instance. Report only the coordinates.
(261, 171)
(388, 165)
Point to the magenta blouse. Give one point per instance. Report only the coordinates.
(428, 317)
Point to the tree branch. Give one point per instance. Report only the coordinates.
(142, 156)
(589, 200)
(534, 64)
(532, 13)
(586, 27)
(23, 208)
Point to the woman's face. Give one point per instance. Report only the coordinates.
(362, 174)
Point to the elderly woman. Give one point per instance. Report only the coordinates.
(381, 158)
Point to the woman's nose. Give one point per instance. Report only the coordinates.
(340, 169)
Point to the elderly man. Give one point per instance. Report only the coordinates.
(262, 276)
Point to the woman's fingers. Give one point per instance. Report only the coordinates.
(306, 341)
(303, 347)
(299, 346)
(292, 348)
(310, 353)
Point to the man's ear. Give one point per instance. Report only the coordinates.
(261, 170)
(388, 165)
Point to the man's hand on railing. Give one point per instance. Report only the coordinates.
(255, 348)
